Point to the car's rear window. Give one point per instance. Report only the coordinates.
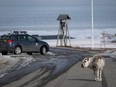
(5, 37)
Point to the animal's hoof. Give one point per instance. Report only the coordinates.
(82, 66)
(98, 79)
(95, 79)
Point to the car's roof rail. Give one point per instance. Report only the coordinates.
(19, 32)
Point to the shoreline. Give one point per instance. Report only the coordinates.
(79, 38)
(52, 41)
(52, 37)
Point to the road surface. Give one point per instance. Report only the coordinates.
(46, 68)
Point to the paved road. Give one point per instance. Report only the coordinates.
(78, 77)
(43, 69)
(51, 68)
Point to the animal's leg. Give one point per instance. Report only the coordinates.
(95, 75)
(100, 75)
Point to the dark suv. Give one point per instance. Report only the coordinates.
(18, 43)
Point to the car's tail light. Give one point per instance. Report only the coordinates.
(9, 41)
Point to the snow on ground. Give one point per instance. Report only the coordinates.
(10, 62)
(50, 53)
(111, 53)
(84, 43)
(24, 58)
(7, 61)
(82, 37)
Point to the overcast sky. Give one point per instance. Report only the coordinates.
(13, 9)
(5, 3)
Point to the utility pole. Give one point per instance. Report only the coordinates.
(92, 25)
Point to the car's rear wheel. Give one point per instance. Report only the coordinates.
(43, 50)
(4, 53)
(17, 50)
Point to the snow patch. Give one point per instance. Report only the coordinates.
(50, 53)
(11, 62)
